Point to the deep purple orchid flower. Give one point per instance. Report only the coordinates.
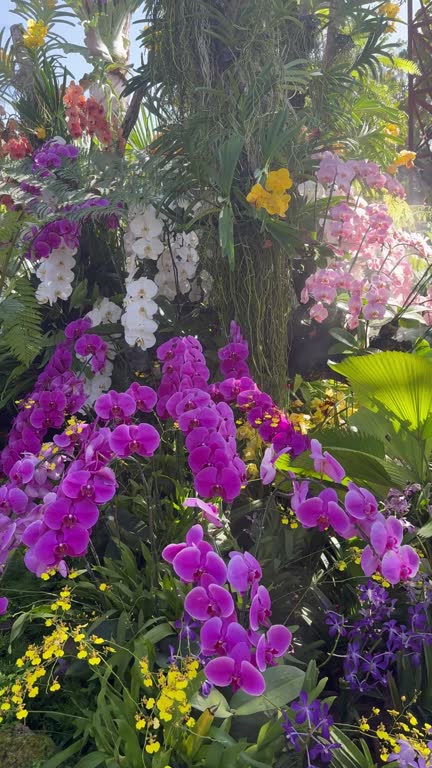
(273, 645)
(12, 499)
(53, 546)
(203, 603)
(237, 670)
(323, 511)
(325, 463)
(194, 536)
(140, 438)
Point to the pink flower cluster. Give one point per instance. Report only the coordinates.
(374, 265)
(357, 517)
(208, 426)
(342, 173)
(233, 655)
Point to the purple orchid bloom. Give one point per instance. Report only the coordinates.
(401, 565)
(22, 471)
(76, 328)
(260, 610)
(301, 490)
(203, 604)
(194, 536)
(210, 511)
(145, 397)
(272, 645)
(243, 571)
(93, 349)
(141, 438)
(198, 417)
(115, 406)
(65, 513)
(4, 602)
(267, 467)
(237, 670)
(305, 712)
(360, 503)
(99, 486)
(325, 463)
(218, 481)
(385, 535)
(218, 637)
(323, 511)
(53, 546)
(12, 499)
(200, 565)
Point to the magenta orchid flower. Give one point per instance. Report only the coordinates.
(237, 670)
(194, 536)
(323, 511)
(200, 565)
(325, 463)
(301, 490)
(145, 397)
(400, 565)
(209, 511)
(12, 499)
(218, 481)
(128, 439)
(273, 645)
(360, 503)
(203, 604)
(260, 610)
(218, 637)
(243, 571)
(115, 406)
(65, 513)
(99, 486)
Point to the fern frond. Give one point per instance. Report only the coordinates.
(20, 323)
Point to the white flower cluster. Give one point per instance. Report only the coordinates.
(139, 310)
(56, 275)
(105, 311)
(176, 264)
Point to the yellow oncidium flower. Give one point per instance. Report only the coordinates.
(35, 35)
(272, 197)
(389, 10)
(41, 132)
(391, 129)
(404, 158)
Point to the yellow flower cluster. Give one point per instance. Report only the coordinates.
(39, 661)
(403, 159)
(35, 35)
(289, 517)
(389, 10)
(272, 196)
(333, 409)
(391, 130)
(405, 727)
(167, 700)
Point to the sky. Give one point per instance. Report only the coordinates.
(74, 34)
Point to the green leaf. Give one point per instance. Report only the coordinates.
(398, 382)
(425, 532)
(283, 684)
(340, 334)
(93, 760)
(226, 233)
(62, 757)
(215, 701)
